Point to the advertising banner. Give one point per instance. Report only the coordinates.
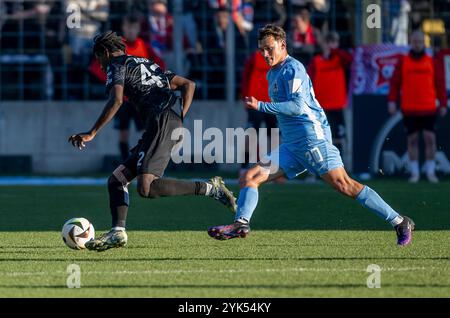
(373, 67)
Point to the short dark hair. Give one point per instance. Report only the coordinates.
(108, 41)
(152, 2)
(332, 36)
(131, 18)
(272, 30)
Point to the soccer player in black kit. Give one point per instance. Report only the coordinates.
(152, 91)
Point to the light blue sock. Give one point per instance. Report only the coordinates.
(371, 200)
(248, 199)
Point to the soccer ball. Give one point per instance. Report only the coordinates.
(76, 232)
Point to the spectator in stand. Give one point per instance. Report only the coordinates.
(54, 42)
(78, 50)
(134, 44)
(400, 24)
(137, 47)
(328, 74)
(120, 8)
(29, 47)
(280, 8)
(303, 36)
(242, 13)
(190, 26)
(157, 28)
(93, 13)
(320, 9)
(417, 82)
(24, 18)
(216, 49)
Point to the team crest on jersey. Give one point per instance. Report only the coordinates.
(275, 88)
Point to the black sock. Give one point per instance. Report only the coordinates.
(173, 187)
(118, 202)
(124, 149)
(121, 213)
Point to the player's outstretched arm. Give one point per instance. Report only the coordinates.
(290, 107)
(294, 82)
(187, 88)
(112, 106)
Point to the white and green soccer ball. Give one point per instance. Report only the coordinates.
(76, 232)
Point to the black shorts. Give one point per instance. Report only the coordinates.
(256, 118)
(125, 115)
(337, 123)
(152, 153)
(414, 124)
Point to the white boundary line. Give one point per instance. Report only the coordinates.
(231, 271)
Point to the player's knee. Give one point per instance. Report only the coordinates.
(113, 182)
(145, 190)
(152, 194)
(142, 191)
(248, 180)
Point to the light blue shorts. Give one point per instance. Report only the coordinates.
(318, 157)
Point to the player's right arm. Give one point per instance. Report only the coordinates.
(294, 82)
(112, 106)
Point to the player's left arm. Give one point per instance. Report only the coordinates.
(112, 106)
(187, 88)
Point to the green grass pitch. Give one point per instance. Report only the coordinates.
(306, 241)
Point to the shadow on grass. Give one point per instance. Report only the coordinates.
(256, 286)
(214, 259)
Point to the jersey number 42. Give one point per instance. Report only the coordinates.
(148, 77)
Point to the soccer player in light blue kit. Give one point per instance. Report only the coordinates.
(307, 143)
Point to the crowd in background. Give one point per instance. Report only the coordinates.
(46, 52)
(31, 28)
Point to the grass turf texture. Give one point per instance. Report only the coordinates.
(306, 241)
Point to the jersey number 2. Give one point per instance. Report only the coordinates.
(141, 156)
(148, 78)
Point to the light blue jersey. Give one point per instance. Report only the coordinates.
(306, 134)
(299, 114)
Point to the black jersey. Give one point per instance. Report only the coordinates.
(145, 84)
